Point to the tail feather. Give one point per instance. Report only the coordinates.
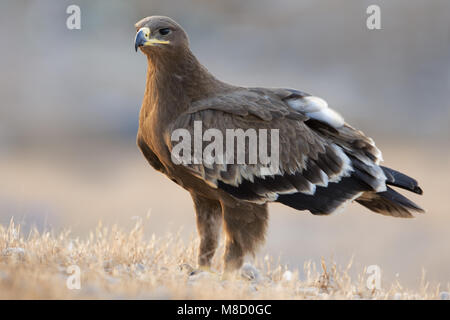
(325, 200)
(390, 203)
(328, 199)
(398, 179)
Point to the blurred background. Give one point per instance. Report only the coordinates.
(70, 101)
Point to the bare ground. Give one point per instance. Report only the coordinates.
(117, 264)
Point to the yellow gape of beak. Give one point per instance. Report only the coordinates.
(143, 39)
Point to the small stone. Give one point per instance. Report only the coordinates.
(13, 251)
(250, 272)
(444, 295)
(398, 296)
(287, 276)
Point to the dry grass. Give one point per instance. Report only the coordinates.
(124, 265)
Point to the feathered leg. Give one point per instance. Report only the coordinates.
(209, 224)
(245, 227)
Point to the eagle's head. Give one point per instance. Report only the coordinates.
(158, 34)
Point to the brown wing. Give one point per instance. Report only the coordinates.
(308, 157)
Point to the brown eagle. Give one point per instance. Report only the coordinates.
(323, 163)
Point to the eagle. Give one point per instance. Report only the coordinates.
(323, 162)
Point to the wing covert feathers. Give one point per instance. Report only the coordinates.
(323, 164)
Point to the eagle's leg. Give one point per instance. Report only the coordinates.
(245, 227)
(209, 224)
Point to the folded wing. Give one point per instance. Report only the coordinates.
(323, 162)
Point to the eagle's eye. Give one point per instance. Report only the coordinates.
(164, 31)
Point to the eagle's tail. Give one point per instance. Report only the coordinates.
(390, 202)
(398, 179)
(329, 199)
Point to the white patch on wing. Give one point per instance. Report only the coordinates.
(317, 108)
(311, 189)
(328, 116)
(288, 191)
(380, 185)
(308, 104)
(378, 153)
(347, 167)
(270, 197)
(324, 178)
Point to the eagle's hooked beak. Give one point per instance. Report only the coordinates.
(143, 39)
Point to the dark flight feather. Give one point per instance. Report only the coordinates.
(390, 203)
(401, 180)
(326, 199)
